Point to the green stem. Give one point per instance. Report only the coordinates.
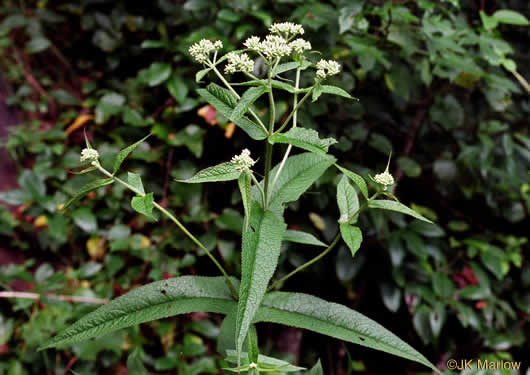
(268, 147)
(229, 87)
(295, 109)
(233, 290)
(258, 186)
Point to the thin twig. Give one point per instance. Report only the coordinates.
(37, 296)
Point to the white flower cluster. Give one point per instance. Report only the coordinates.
(327, 68)
(300, 45)
(200, 51)
(384, 178)
(243, 162)
(89, 154)
(272, 47)
(286, 28)
(239, 63)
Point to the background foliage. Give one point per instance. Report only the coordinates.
(440, 83)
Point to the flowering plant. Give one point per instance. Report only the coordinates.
(253, 298)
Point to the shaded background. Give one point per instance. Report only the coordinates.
(439, 84)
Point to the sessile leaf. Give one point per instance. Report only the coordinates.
(220, 172)
(304, 138)
(398, 207)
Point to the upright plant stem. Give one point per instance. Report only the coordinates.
(295, 109)
(268, 148)
(179, 225)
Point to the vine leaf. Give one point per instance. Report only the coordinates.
(157, 300)
(347, 200)
(331, 319)
(304, 138)
(91, 186)
(220, 172)
(261, 250)
(122, 155)
(398, 207)
(353, 237)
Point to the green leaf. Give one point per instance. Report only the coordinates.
(317, 91)
(94, 185)
(157, 73)
(248, 97)
(220, 172)
(396, 206)
(177, 88)
(253, 349)
(510, 17)
(298, 174)
(135, 181)
(108, 105)
(200, 74)
(143, 205)
(154, 301)
(122, 155)
(316, 369)
(305, 238)
(331, 319)
(224, 101)
(264, 362)
(347, 200)
(334, 90)
(274, 83)
(353, 237)
(442, 285)
(244, 182)
(304, 138)
(282, 68)
(85, 219)
(37, 45)
(261, 250)
(358, 180)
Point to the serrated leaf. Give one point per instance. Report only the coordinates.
(248, 97)
(154, 301)
(298, 174)
(220, 172)
(122, 155)
(264, 362)
(282, 68)
(143, 205)
(261, 250)
(358, 180)
(305, 238)
(331, 319)
(398, 207)
(200, 74)
(94, 185)
(135, 181)
(347, 200)
(353, 237)
(510, 17)
(304, 138)
(317, 91)
(244, 182)
(274, 83)
(334, 90)
(224, 101)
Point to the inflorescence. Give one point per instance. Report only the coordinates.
(243, 162)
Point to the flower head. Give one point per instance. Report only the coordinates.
(385, 178)
(326, 68)
(239, 63)
(252, 43)
(243, 162)
(200, 51)
(89, 154)
(287, 28)
(253, 365)
(300, 45)
(274, 46)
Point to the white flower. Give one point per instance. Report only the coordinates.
(326, 68)
(287, 28)
(252, 365)
(300, 45)
(89, 154)
(200, 51)
(243, 162)
(239, 63)
(385, 178)
(252, 43)
(274, 46)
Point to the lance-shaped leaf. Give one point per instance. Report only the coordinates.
(244, 183)
(122, 155)
(248, 97)
(302, 237)
(94, 185)
(136, 182)
(353, 237)
(261, 250)
(224, 101)
(157, 300)
(334, 90)
(358, 180)
(274, 83)
(143, 205)
(331, 319)
(200, 74)
(398, 207)
(298, 174)
(221, 172)
(347, 200)
(265, 363)
(316, 369)
(304, 138)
